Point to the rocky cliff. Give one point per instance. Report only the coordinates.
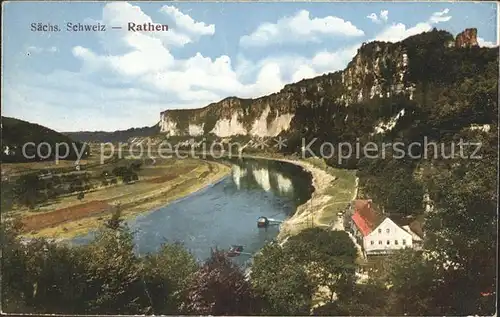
(378, 70)
(467, 38)
(379, 73)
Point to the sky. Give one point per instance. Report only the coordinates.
(118, 79)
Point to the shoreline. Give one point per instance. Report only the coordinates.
(154, 201)
(308, 210)
(307, 213)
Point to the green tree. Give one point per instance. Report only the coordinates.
(329, 257)
(81, 195)
(219, 287)
(114, 281)
(15, 286)
(166, 275)
(413, 283)
(26, 191)
(368, 299)
(284, 285)
(462, 230)
(115, 222)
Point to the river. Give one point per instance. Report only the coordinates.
(226, 212)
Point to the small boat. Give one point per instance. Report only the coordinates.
(262, 222)
(235, 250)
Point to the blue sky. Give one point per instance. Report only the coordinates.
(71, 81)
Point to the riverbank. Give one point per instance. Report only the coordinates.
(333, 191)
(158, 186)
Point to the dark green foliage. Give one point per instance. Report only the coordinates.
(16, 133)
(136, 166)
(463, 228)
(414, 284)
(403, 195)
(115, 136)
(329, 257)
(81, 195)
(289, 276)
(7, 196)
(219, 287)
(120, 171)
(167, 275)
(114, 275)
(285, 286)
(104, 277)
(26, 190)
(116, 221)
(127, 174)
(368, 299)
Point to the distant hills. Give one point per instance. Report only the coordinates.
(17, 133)
(115, 136)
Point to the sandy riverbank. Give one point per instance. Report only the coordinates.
(306, 214)
(328, 198)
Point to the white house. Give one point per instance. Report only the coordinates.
(387, 237)
(381, 235)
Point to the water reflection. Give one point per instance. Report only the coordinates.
(226, 213)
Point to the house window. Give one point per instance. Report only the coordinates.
(379, 241)
(396, 242)
(372, 242)
(388, 242)
(387, 230)
(404, 242)
(379, 230)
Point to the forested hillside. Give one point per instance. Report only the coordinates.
(18, 133)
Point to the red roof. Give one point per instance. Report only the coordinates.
(361, 224)
(364, 217)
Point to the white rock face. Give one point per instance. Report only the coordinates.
(279, 124)
(195, 129)
(383, 127)
(259, 127)
(229, 127)
(480, 127)
(167, 125)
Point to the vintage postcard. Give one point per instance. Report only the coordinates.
(249, 158)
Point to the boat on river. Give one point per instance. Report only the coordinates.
(262, 222)
(235, 250)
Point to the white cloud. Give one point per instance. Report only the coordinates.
(149, 62)
(182, 28)
(38, 50)
(151, 78)
(398, 31)
(300, 28)
(383, 17)
(373, 17)
(186, 24)
(483, 43)
(440, 16)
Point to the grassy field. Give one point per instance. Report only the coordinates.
(14, 169)
(158, 184)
